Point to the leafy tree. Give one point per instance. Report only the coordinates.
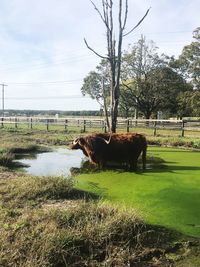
(158, 90)
(169, 85)
(138, 61)
(148, 84)
(96, 84)
(92, 85)
(151, 85)
(126, 105)
(188, 62)
(189, 104)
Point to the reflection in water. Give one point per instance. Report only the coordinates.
(56, 163)
(65, 162)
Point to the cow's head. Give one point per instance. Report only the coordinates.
(78, 143)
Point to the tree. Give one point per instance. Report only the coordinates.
(158, 90)
(96, 84)
(188, 62)
(151, 84)
(189, 104)
(114, 48)
(138, 61)
(126, 106)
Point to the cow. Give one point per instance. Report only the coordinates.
(121, 148)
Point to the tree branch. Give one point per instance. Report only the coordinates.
(101, 16)
(126, 15)
(137, 23)
(94, 50)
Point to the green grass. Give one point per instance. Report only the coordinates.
(166, 194)
(79, 129)
(46, 222)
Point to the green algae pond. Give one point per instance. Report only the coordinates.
(167, 193)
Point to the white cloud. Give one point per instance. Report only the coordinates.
(43, 41)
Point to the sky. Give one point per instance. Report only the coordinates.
(43, 58)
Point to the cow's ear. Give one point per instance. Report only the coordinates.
(81, 141)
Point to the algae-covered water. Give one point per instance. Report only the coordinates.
(167, 193)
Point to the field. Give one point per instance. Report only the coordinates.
(142, 219)
(186, 128)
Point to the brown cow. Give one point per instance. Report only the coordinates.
(102, 148)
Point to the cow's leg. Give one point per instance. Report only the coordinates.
(144, 158)
(102, 164)
(133, 165)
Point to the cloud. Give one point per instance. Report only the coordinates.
(43, 41)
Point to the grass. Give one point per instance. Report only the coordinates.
(13, 137)
(149, 131)
(12, 144)
(22, 190)
(167, 194)
(46, 222)
(174, 141)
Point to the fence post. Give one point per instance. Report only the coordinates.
(47, 125)
(127, 125)
(2, 125)
(102, 124)
(66, 121)
(31, 125)
(105, 127)
(84, 126)
(154, 132)
(15, 122)
(182, 128)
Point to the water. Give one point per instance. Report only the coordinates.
(55, 163)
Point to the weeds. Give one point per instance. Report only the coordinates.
(6, 158)
(174, 142)
(71, 236)
(35, 189)
(37, 232)
(73, 233)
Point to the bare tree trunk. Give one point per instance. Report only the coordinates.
(114, 58)
(105, 105)
(116, 71)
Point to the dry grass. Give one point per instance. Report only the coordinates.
(44, 222)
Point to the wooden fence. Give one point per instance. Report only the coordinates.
(86, 124)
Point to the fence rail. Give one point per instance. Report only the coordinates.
(84, 124)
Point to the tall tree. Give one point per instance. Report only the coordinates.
(96, 84)
(151, 84)
(188, 62)
(114, 48)
(138, 62)
(189, 104)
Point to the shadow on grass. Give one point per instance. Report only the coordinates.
(185, 203)
(78, 194)
(154, 164)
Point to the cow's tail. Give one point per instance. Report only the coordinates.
(144, 157)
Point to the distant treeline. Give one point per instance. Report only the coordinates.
(61, 113)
